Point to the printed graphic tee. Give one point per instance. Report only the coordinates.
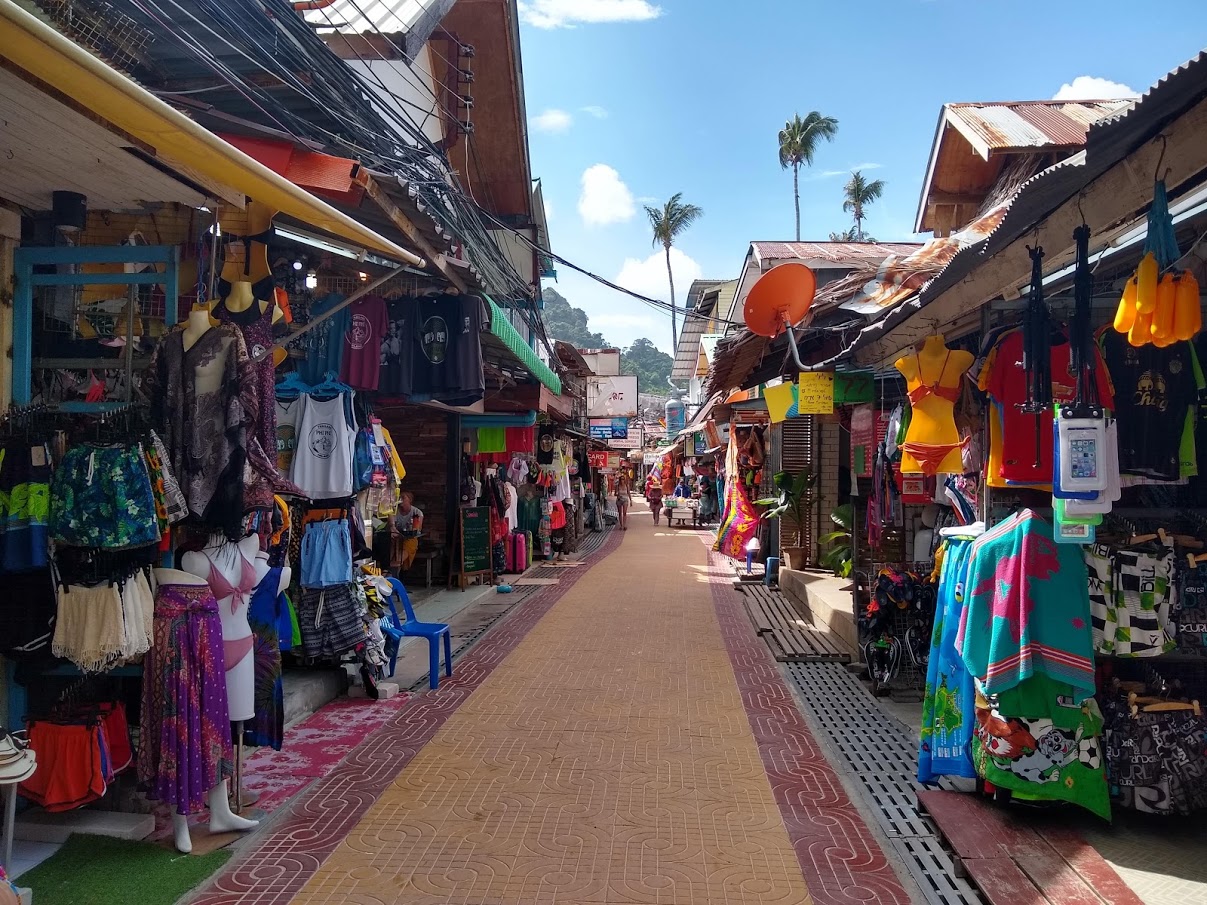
(360, 367)
(322, 461)
(1155, 389)
(397, 348)
(289, 413)
(433, 333)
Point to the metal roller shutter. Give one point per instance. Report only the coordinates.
(798, 453)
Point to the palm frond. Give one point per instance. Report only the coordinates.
(799, 138)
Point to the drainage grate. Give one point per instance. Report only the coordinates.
(882, 754)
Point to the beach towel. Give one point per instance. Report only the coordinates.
(1027, 610)
(949, 708)
(739, 520)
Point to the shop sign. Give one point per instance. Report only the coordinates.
(854, 388)
(613, 460)
(651, 458)
(597, 458)
(816, 393)
(609, 428)
(612, 397)
(699, 443)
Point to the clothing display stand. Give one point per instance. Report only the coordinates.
(10, 819)
(909, 678)
(238, 793)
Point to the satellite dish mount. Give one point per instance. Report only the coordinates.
(779, 301)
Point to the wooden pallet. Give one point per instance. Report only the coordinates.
(788, 632)
(1011, 857)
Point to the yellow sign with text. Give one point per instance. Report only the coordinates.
(816, 393)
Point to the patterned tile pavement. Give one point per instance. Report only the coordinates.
(623, 738)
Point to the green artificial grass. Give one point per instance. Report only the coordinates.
(98, 870)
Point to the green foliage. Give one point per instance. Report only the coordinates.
(796, 497)
(859, 193)
(837, 547)
(569, 324)
(800, 137)
(672, 219)
(650, 364)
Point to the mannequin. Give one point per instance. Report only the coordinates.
(933, 378)
(222, 819)
(197, 325)
(233, 566)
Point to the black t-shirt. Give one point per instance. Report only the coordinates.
(397, 347)
(1154, 388)
(545, 442)
(447, 349)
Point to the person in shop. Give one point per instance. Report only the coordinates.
(408, 522)
(653, 496)
(624, 498)
(683, 490)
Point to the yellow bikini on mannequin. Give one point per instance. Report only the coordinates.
(932, 377)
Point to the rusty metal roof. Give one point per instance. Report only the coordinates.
(1017, 126)
(840, 254)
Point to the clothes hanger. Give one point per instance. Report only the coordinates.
(330, 386)
(292, 386)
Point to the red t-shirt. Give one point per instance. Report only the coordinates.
(361, 364)
(1008, 386)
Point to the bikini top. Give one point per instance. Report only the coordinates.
(222, 588)
(918, 393)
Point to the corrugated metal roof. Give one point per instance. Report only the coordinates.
(838, 253)
(1017, 126)
(687, 354)
(415, 20)
(1109, 141)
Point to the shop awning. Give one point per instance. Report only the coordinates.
(178, 142)
(502, 329)
(492, 419)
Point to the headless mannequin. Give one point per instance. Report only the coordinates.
(222, 819)
(932, 427)
(229, 560)
(196, 326)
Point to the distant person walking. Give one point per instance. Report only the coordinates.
(653, 496)
(624, 498)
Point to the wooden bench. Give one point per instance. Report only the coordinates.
(789, 633)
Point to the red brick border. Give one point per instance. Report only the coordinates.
(285, 859)
(841, 860)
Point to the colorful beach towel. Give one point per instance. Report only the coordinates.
(1027, 610)
(949, 708)
(739, 520)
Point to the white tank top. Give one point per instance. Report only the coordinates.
(322, 460)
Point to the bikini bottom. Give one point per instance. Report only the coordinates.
(931, 455)
(233, 652)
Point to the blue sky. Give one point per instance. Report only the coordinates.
(630, 101)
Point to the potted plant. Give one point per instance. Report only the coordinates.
(836, 546)
(796, 498)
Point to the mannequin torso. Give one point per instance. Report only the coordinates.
(233, 567)
(933, 376)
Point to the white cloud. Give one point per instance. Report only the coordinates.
(596, 111)
(553, 120)
(568, 13)
(605, 199)
(867, 166)
(1092, 88)
(648, 277)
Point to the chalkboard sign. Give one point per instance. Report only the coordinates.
(475, 540)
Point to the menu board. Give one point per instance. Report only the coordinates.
(475, 540)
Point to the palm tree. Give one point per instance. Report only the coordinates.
(668, 222)
(847, 235)
(859, 194)
(798, 142)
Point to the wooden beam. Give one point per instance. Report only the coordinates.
(382, 199)
(954, 198)
(265, 80)
(1114, 201)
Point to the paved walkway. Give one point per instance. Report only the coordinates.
(623, 738)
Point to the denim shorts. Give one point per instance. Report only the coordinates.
(326, 554)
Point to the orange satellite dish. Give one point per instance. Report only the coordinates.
(780, 299)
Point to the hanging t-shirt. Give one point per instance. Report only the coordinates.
(470, 379)
(322, 461)
(1156, 388)
(433, 334)
(324, 350)
(360, 366)
(289, 413)
(397, 348)
(1026, 458)
(544, 446)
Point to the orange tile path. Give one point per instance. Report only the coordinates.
(607, 759)
(625, 738)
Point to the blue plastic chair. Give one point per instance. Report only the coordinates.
(413, 628)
